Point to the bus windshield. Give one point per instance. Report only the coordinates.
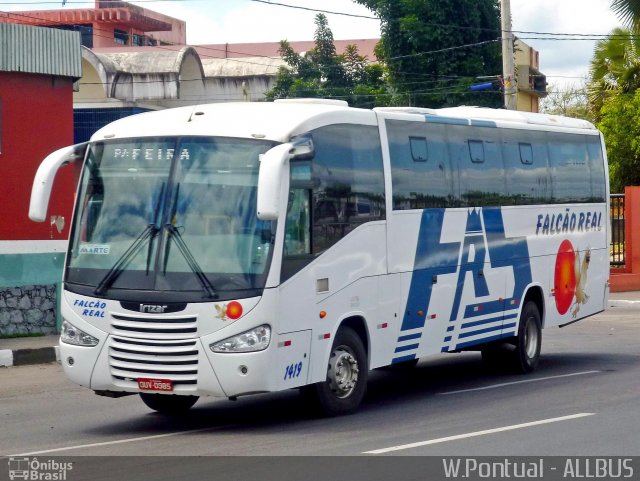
(170, 215)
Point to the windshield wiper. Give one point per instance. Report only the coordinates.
(151, 232)
(174, 234)
(118, 268)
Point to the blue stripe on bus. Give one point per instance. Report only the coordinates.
(478, 341)
(485, 308)
(432, 259)
(450, 328)
(410, 336)
(406, 348)
(487, 321)
(432, 119)
(509, 326)
(447, 339)
(483, 123)
(484, 340)
(397, 360)
(480, 331)
(473, 242)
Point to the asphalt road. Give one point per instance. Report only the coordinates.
(584, 399)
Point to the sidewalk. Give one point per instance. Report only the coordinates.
(39, 350)
(29, 350)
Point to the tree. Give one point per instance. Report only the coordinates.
(324, 73)
(570, 101)
(614, 98)
(615, 68)
(620, 125)
(435, 49)
(628, 11)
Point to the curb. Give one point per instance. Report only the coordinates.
(21, 357)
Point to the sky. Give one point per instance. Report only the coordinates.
(565, 62)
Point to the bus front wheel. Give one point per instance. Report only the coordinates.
(168, 404)
(347, 372)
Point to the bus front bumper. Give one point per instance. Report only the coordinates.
(115, 367)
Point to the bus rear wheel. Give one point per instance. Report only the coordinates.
(529, 339)
(168, 404)
(521, 353)
(347, 373)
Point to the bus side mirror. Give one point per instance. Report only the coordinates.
(43, 181)
(273, 167)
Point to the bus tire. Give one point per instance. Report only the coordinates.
(168, 404)
(529, 339)
(347, 372)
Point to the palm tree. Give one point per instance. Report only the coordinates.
(628, 11)
(615, 67)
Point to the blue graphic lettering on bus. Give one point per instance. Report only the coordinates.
(568, 222)
(484, 234)
(292, 370)
(91, 308)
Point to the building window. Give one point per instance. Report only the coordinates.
(139, 40)
(86, 32)
(120, 37)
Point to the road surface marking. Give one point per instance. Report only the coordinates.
(477, 433)
(494, 386)
(622, 303)
(118, 441)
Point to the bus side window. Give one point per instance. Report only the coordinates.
(596, 160)
(347, 181)
(526, 162)
(570, 168)
(297, 239)
(420, 165)
(297, 230)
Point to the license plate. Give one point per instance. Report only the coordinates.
(147, 384)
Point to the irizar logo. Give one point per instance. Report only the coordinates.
(153, 308)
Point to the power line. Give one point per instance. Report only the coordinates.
(556, 35)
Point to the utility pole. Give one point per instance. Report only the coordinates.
(508, 67)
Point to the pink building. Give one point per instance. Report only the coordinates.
(109, 23)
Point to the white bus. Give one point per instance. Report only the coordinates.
(231, 249)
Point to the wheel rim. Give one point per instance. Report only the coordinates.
(531, 339)
(343, 372)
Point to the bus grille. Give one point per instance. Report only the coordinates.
(131, 359)
(154, 327)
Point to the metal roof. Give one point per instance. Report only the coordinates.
(40, 50)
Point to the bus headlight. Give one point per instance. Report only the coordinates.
(256, 339)
(72, 335)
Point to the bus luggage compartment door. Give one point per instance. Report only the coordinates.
(293, 357)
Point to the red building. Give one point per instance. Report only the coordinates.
(109, 23)
(38, 67)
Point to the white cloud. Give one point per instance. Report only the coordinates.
(563, 58)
